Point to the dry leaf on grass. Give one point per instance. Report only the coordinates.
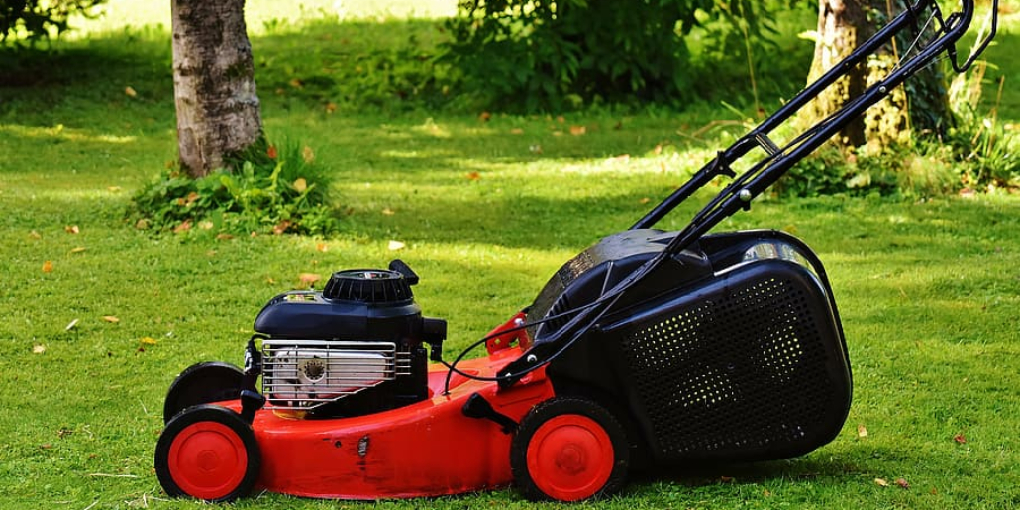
(308, 279)
(38, 349)
(71, 229)
(395, 245)
(111, 319)
(47, 266)
(862, 431)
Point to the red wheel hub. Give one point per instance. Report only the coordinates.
(570, 457)
(207, 460)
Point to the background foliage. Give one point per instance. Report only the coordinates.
(567, 53)
(38, 19)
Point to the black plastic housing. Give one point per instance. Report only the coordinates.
(731, 350)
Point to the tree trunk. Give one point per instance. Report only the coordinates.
(842, 26)
(214, 84)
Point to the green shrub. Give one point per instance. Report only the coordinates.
(531, 55)
(262, 191)
(36, 19)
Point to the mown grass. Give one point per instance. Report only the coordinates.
(487, 209)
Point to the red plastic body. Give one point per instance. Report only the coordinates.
(425, 449)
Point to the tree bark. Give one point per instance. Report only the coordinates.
(842, 26)
(214, 83)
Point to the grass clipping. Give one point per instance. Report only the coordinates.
(263, 190)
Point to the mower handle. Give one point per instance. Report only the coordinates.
(780, 159)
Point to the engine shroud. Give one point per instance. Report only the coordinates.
(352, 349)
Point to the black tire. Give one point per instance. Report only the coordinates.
(569, 449)
(207, 452)
(202, 383)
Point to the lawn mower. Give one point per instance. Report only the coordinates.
(646, 350)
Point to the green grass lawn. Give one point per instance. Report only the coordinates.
(99, 317)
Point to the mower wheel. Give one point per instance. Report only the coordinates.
(207, 452)
(569, 449)
(202, 383)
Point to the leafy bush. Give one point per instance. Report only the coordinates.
(980, 142)
(261, 191)
(35, 19)
(560, 54)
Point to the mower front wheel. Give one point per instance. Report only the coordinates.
(569, 449)
(207, 452)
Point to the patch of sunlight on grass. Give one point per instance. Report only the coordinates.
(59, 132)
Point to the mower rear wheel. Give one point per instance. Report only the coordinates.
(202, 383)
(207, 452)
(569, 449)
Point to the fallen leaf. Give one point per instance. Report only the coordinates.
(323, 247)
(484, 116)
(902, 482)
(300, 184)
(560, 119)
(191, 198)
(330, 107)
(881, 482)
(47, 267)
(64, 432)
(35, 235)
(578, 130)
(960, 438)
(388, 212)
(645, 200)
(296, 83)
(657, 150)
(78, 249)
(307, 279)
(111, 318)
(130, 92)
(46, 446)
(113, 189)
(395, 245)
(206, 225)
(183, 227)
(281, 227)
(71, 325)
(307, 154)
(862, 431)
(71, 229)
(224, 237)
(473, 176)
(271, 152)
(148, 340)
(143, 224)
(516, 131)
(38, 349)
(210, 253)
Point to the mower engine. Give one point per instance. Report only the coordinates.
(355, 348)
